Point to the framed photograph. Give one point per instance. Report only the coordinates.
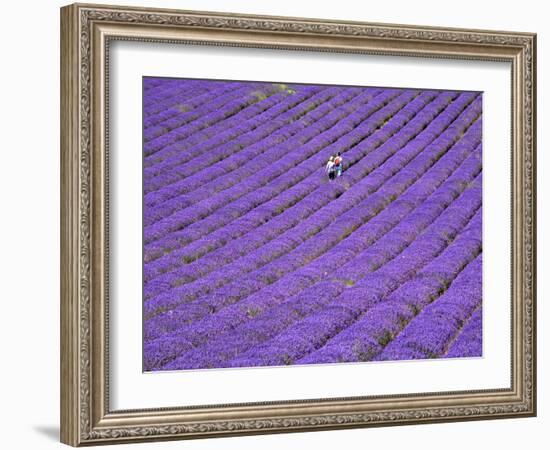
(276, 224)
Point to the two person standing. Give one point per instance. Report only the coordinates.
(334, 166)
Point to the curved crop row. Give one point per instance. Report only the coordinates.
(468, 342)
(157, 107)
(176, 103)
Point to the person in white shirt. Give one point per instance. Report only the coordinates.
(330, 169)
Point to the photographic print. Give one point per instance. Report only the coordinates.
(288, 224)
(295, 203)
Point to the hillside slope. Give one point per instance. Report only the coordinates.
(253, 257)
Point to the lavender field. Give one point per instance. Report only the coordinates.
(254, 257)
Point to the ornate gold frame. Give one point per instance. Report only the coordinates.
(86, 31)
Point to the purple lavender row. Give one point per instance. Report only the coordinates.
(236, 148)
(205, 116)
(183, 90)
(152, 85)
(410, 227)
(265, 324)
(178, 106)
(372, 304)
(359, 151)
(173, 91)
(245, 224)
(374, 257)
(176, 151)
(324, 194)
(186, 90)
(162, 92)
(151, 82)
(208, 101)
(430, 332)
(298, 164)
(176, 99)
(181, 94)
(234, 291)
(405, 303)
(469, 342)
